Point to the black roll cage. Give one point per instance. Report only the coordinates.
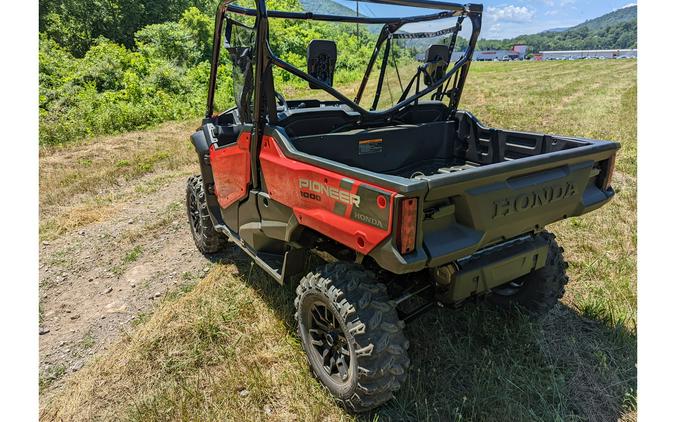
(265, 58)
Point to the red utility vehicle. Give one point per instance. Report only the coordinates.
(412, 205)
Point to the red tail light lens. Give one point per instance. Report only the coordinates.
(407, 226)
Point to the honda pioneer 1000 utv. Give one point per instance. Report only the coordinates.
(411, 204)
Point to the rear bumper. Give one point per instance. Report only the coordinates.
(495, 266)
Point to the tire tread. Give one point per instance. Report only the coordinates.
(377, 333)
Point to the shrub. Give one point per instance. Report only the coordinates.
(113, 88)
(169, 41)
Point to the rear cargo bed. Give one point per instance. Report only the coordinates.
(476, 186)
(424, 149)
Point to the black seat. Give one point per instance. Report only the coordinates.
(424, 112)
(321, 58)
(315, 120)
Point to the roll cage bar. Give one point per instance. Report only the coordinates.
(265, 57)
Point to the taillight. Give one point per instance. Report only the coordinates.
(609, 171)
(407, 226)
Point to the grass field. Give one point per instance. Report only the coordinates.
(224, 347)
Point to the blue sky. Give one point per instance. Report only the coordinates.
(507, 19)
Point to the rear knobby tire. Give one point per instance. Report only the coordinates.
(539, 291)
(206, 238)
(367, 324)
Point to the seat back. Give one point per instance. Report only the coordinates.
(436, 61)
(321, 58)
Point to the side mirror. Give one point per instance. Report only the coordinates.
(321, 58)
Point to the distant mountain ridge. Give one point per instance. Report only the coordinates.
(327, 7)
(555, 30)
(625, 14)
(614, 30)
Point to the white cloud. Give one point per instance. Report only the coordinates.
(557, 3)
(510, 13)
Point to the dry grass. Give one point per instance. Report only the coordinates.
(196, 353)
(199, 351)
(82, 183)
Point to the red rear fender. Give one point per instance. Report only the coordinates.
(354, 213)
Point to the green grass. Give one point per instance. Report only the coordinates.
(55, 372)
(133, 254)
(88, 341)
(234, 330)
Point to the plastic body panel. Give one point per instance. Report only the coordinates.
(354, 213)
(490, 269)
(489, 208)
(231, 166)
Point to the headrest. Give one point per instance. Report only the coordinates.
(436, 61)
(321, 58)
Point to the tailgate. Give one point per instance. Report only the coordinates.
(468, 210)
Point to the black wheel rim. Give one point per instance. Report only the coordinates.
(329, 341)
(193, 208)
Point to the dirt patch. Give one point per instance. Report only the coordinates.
(99, 278)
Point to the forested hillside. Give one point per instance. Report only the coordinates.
(326, 7)
(625, 14)
(617, 29)
(113, 66)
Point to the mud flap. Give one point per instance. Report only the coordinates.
(294, 264)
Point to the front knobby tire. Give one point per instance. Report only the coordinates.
(352, 335)
(205, 236)
(539, 291)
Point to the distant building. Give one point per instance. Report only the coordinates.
(582, 54)
(517, 52)
(491, 55)
(521, 49)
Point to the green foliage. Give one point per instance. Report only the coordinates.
(163, 75)
(113, 89)
(75, 24)
(201, 27)
(168, 41)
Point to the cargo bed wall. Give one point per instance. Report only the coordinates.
(430, 148)
(484, 145)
